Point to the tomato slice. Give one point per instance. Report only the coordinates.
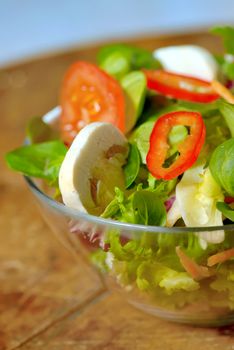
(188, 149)
(88, 95)
(180, 86)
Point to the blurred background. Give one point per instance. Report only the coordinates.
(30, 27)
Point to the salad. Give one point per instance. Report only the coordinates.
(147, 138)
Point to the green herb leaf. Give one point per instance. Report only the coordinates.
(206, 109)
(149, 209)
(131, 169)
(141, 137)
(228, 69)
(37, 131)
(42, 160)
(226, 210)
(227, 111)
(116, 64)
(227, 34)
(134, 87)
(121, 58)
(141, 207)
(222, 166)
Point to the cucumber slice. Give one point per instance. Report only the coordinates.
(134, 86)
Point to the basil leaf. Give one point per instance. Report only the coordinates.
(42, 160)
(222, 165)
(226, 210)
(227, 34)
(228, 69)
(149, 209)
(116, 64)
(38, 131)
(132, 58)
(206, 109)
(141, 136)
(131, 169)
(227, 111)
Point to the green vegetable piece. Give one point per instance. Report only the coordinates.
(116, 64)
(228, 69)
(132, 167)
(227, 111)
(37, 131)
(137, 57)
(152, 274)
(111, 210)
(222, 166)
(206, 109)
(134, 86)
(227, 34)
(141, 137)
(177, 134)
(149, 209)
(42, 160)
(226, 210)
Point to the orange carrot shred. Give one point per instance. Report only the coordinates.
(196, 271)
(220, 257)
(222, 91)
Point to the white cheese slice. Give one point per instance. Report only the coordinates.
(86, 152)
(189, 60)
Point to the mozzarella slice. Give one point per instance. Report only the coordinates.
(188, 60)
(89, 151)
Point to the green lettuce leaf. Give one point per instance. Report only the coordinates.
(132, 58)
(131, 169)
(141, 207)
(42, 160)
(227, 111)
(148, 208)
(222, 165)
(226, 210)
(227, 34)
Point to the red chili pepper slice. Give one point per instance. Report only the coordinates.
(180, 86)
(188, 149)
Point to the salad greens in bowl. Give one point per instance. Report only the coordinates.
(135, 170)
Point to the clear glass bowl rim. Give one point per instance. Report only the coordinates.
(75, 214)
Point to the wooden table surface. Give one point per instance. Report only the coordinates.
(49, 300)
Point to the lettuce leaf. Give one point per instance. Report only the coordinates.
(141, 207)
(132, 168)
(227, 34)
(42, 160)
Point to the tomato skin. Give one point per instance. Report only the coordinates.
(180, 86)
(89, 94)
(189, 149)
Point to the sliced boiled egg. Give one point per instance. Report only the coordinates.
(189, 60)
(92, 168)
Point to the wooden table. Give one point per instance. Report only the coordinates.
(47, 299)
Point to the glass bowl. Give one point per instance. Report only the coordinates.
(140, 262)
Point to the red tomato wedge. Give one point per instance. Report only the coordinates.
(88, 95)
(180, 86)
(188, 150)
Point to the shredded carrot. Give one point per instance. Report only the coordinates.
(196, 271)
(220, 257)
(222, 91)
